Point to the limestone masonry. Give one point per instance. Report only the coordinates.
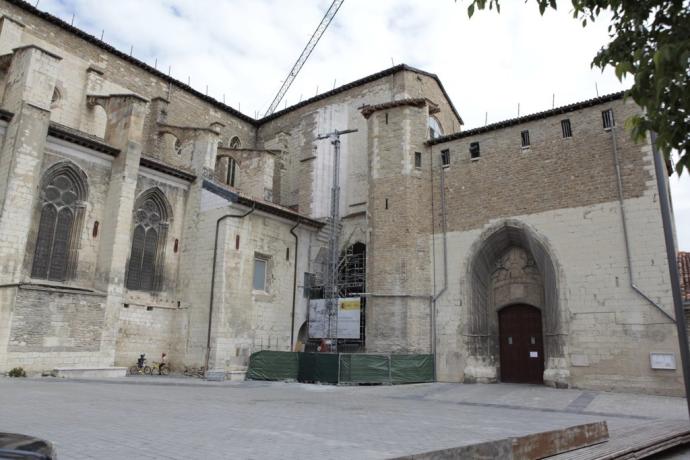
(140, 216)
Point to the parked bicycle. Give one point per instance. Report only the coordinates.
(140, 367)
(194, 371)
(156, 368)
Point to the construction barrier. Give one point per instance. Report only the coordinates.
(341, 368)
(273, 365)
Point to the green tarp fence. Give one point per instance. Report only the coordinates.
(343, 368)
(273, 365)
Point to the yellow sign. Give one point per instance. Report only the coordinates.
(350, 304)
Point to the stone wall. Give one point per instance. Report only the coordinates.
(88, 69)
(564, 191)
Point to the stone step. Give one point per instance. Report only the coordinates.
(89, 372)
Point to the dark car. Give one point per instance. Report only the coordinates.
(21, 446)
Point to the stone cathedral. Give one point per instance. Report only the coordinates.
(138, 215)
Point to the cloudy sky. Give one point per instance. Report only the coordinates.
(241, 51)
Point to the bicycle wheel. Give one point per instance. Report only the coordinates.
(147, 370)
(134, 370)
(165, 371)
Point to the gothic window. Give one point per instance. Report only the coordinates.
(435, 129)
(63, 193)
(235, 143)
(151, 216)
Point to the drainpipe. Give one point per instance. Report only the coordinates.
(671, 252)
(213, 278)
(445, 265)
(619, 183)
(294, 286)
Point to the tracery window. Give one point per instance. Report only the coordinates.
(151, 219)
(63, 194)
(435, 129)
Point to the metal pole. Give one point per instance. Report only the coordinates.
(671, 252)
(335, 240)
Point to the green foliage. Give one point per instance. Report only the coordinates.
(17, 372)
(650, 40)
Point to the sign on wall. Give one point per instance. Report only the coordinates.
(663, 360)
(349, 310)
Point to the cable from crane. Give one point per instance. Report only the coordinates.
(306, 52)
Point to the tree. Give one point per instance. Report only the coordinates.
(650, 40)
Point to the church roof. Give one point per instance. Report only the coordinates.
(134, 61)
(531, 117)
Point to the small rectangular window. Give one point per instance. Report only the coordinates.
(565, 128)
(525, 138)
(607, 119)
(445, 157)
(259, 274)
(474, 150)
(418, 160)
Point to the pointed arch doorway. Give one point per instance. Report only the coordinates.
(521, 344)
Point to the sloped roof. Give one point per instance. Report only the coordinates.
(256, 122)
(531, 117)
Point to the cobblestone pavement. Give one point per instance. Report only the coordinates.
(158, 417)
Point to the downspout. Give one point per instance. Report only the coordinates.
(445, 262)
(213, 278)
(619, 183)
(294, 286)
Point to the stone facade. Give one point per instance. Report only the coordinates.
(194, 226)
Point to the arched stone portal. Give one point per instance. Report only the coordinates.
(510, 264)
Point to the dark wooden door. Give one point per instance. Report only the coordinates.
(522, 348)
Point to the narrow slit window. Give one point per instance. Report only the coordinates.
(418, 160)
(566, 129)
(474, 151)
(607, 119)
(524, 136)
(259, 274)
(231, 178)
(445, 158)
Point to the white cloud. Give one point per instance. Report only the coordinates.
(243, 49)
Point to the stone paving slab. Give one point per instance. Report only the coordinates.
(158, 417)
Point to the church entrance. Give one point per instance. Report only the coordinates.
(521, 344)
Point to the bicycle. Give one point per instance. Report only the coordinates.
(156, 367)
(194, 371)
(140, 367)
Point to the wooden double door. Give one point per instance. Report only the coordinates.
(521, 344)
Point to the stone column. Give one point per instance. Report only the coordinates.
(124, 130)
(399, 220)
(30, 84)
(10, 34)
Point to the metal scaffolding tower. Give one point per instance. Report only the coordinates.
(316, 36)
(331, 288)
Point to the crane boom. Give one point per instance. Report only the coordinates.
(316, 36)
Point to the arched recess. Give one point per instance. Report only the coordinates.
(510, 242)
(152, 216)
(63, 194)
(171, 147)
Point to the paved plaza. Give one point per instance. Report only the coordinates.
(181, 418)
